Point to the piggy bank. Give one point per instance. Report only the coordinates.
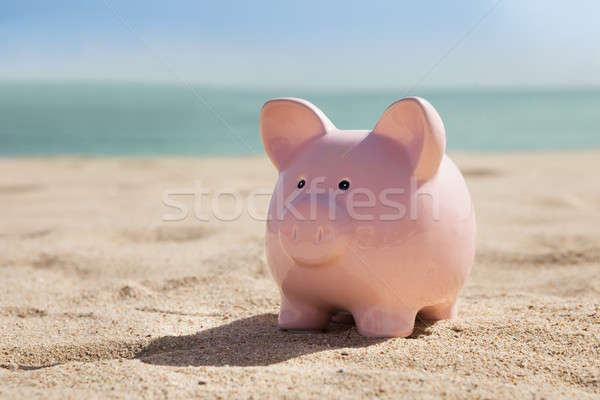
(377, 224)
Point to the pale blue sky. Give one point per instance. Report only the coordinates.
(310, 43)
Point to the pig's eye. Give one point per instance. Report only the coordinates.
(301, 184)
(344, 185)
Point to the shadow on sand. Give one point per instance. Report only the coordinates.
(254, 341)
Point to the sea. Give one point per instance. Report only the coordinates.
(147, 119)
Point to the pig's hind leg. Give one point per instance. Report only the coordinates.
(342, 317)
(385, 321)
(439, 311)
(299, 316)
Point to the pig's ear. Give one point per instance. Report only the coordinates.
(414, 125)
(288, 124)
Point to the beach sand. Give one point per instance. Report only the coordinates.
(99, 297)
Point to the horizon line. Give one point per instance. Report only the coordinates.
(550, 87)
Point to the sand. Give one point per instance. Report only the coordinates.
(99, 297)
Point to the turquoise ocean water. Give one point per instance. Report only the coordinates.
(159, 119)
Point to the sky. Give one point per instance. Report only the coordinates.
(349, 44)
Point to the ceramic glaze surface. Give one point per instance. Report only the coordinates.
(375, 223)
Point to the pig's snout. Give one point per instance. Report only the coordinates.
(314, 230)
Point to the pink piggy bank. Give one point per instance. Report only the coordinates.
(377, 224)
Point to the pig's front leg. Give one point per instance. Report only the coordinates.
(300, 316)
(385, 321)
